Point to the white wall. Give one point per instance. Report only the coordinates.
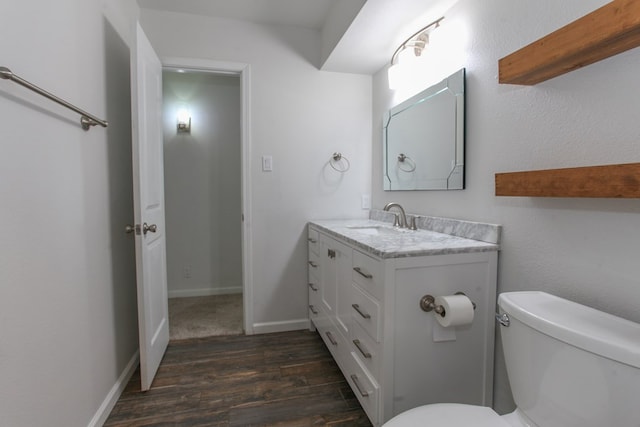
(202, 184)
(67, 275)
(583, 249)
(300, 116)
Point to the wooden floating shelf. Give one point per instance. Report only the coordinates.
(614, 181)
(607, 31)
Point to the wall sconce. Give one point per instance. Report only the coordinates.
(184, 121)
(418, 41)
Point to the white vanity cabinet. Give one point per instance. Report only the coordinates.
(394, 355)
(329, 280)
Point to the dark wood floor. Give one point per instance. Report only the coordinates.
(284, 379)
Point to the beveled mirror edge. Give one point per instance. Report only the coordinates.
(456, 84)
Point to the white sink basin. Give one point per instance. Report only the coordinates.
(374, 230)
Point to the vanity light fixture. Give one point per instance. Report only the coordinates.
(418, 41)
(184, 121)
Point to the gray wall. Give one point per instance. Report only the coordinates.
(202, 172)
(68, 320)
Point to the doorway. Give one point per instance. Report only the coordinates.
(205, 199)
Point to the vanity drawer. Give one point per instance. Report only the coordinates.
(314, 292)
(365, 349)
(366, 312)
(314, 241)
(367, 272)
(315, 313)
(334, 340)
(313, 265)
(364, 387)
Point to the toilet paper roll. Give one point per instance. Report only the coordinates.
(458, 310)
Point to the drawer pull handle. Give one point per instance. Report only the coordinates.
(356, 307)
(313, 264)
(313, 288)
(313, 309)
(356, 381)
(312, 240)
(363, 350)
(331, 338)
(362, 273)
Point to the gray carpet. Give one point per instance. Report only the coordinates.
(207, 316)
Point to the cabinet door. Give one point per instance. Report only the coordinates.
(336, 281)
(328, 290)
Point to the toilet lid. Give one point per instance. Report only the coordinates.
(448, 415)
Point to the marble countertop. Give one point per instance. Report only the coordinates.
(383, 240)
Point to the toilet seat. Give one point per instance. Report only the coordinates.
(448, 415)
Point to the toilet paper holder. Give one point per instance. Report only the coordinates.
(428, 303)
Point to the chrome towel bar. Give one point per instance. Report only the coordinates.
(86, 120)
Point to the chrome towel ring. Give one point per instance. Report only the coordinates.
(407, 161)
(339, 162)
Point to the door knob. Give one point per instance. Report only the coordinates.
(129, 229)
(146, 228)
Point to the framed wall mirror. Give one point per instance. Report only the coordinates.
(424, 139)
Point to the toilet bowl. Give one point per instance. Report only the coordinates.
(568, 366)
(448, 414)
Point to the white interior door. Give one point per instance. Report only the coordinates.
(148, 194)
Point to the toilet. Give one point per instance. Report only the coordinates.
(568, 366)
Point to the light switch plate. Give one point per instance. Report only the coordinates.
(366, 201)
(267, 163)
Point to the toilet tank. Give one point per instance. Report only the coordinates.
(570, 365)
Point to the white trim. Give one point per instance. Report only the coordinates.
(110, 401)
(205, 292)
(247, 248)
(282, 326)
(244, 70)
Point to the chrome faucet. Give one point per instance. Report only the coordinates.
(403, 217)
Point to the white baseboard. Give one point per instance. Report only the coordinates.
(282, 326)
(110, 401)
(204, 292)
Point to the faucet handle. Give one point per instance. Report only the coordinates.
(413, 224)
(396, 221)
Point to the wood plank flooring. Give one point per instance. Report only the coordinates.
(285, 379)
